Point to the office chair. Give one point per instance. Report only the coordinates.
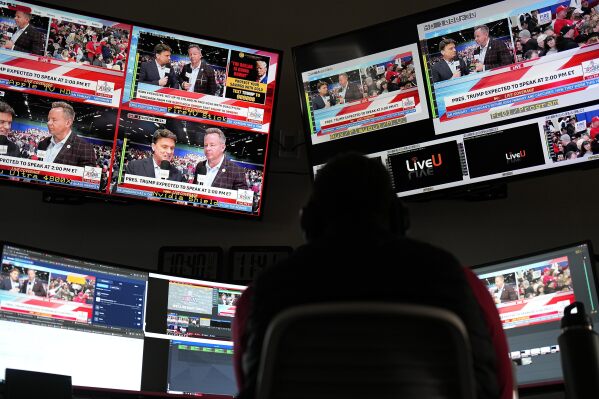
(366, 350)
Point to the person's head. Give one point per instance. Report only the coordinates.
(323, 88)
(531, 55)
(343, 79)
(214, 145)
(499, 281)
(550, 42)
(261, 68)
(481, 34)
(565, 139)
(6, 116)
(14, 274)
(524, 35)
(595, 122)
(571, 155)
(541, 40)
(561, 12)
(31, 274)
(162, 52)
(328, 213)
(447, 49)
(163, 145)
(525, 284)
(22, 19)
(577, 14)
(195, 54)
(549, 32)
(60, 119)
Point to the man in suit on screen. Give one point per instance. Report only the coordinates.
(349, 91)
(450, 66)
(7, 147)
(217, 170)
(159, 71)
(197, 76)
(491, 53)
(64, 146)
(26, 38)
(11, 283)
(163, 149)
(503, 293)
(33, 286)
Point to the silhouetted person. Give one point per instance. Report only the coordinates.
(358, 252)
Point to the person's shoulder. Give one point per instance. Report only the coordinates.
(231, 165)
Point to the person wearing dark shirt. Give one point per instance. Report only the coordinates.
(491, 53)
(450, 66)
(566, 40)
(7, 147)
(341, 239)
(527, 42)
(197, 76)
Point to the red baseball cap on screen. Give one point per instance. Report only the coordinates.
(560, 9)
(595, 119)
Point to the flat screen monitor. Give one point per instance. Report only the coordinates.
(70, 316)
(459, 96)
(531, 292)
(114, 108)
(188, 337)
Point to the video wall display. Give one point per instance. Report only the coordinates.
(506, 89)
(130, 111)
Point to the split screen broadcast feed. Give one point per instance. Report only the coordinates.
(115, 109)
(458, 96)
(115, 328)
(531, 293)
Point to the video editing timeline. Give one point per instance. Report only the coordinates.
(68, 305)
(201, 367)
(530, 293)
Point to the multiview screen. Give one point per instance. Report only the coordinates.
(458, 96)
(119, 109)
(530, 293)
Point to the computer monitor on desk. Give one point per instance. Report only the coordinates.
(531, 292)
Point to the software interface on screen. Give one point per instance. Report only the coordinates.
(116, 85)
(531, 293)
(72, 317)
(190, 323)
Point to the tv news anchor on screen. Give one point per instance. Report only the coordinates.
(7, 147)
(197, 76)
(217, 170)
(33, 285)
(159, 71)
(11, 282)
(348, 91)
(323, 99)
(64, 146)
(26, 38)
(450, 66)
(491, 53)
(159, 164)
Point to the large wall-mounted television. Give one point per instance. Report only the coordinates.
(153, 114)
(459, 96)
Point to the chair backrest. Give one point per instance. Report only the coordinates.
(366, 350)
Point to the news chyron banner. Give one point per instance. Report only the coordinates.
(482, 77)
(66, 55)
(364, 95)
(145, 142)
(542, 301)
(84, 160)
(200, 80)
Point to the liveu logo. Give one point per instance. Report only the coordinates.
(433, 162)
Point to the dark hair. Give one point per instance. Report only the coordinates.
(163, 134)
(320, 84)
(160, 47)
(5, 108)
(444, 43)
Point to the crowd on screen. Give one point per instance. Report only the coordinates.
(395, 77)
(569, 28)
(69, 291)
(553, 279)
(567, 143)
(83, 44)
